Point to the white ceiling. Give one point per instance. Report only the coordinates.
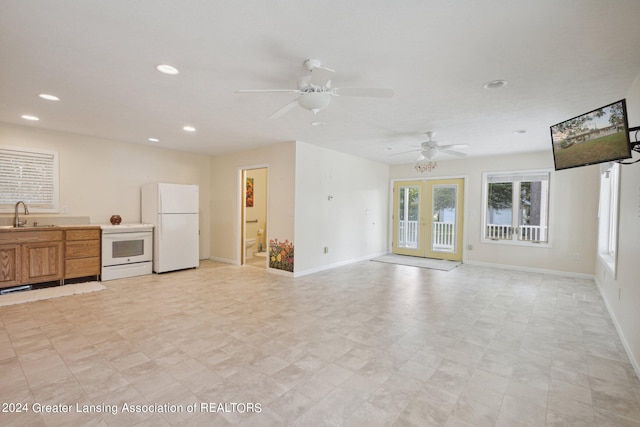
(560, 58)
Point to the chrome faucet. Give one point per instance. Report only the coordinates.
(16, 220)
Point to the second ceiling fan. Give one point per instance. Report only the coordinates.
(429, 149)
(316, 98)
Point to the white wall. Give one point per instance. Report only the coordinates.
(99, 178)
(622, 294)
(226, 196)
(574, 207)
(353, 224)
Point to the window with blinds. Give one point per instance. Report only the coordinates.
(30, 176)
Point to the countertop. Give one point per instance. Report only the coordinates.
(10, 228)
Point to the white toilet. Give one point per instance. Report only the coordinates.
(248, 243)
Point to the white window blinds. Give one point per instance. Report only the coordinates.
(29, 176)
(517, 177)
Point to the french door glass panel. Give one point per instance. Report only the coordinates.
(409, 214)
(444, 207)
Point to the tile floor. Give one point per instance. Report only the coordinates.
(370, 344)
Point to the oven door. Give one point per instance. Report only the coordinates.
(126, 248)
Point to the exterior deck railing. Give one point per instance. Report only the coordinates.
(443, 235)
(528, 233)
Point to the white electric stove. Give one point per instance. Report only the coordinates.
(127, 250)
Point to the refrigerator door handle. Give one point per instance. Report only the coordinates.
(159, 226)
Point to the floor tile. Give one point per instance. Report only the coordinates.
(368, 344)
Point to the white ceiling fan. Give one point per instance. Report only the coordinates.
(429, 149)
(316, 98)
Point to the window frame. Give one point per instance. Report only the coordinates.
(609, 216)
(34, 207)
(485, 199)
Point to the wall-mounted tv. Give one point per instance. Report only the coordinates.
(601, 135)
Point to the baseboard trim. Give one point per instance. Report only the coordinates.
(625, 344)
(531, 269)
(280, 272)
(337, 264)
(225, 260)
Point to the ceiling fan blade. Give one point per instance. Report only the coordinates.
(331, 70)
(404, 152)
(284, 110)
(363, 91)
(268, 90)
(445, 147)
(454, 153)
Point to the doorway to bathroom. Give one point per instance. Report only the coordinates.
(254, 202)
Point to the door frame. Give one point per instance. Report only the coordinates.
(241, 192)
(465, 209)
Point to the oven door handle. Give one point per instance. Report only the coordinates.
(135, 235)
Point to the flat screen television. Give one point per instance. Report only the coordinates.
(599, 136)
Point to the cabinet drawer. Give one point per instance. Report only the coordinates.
(83, 234)
(82, 249)
(82, 267)
(28, 236)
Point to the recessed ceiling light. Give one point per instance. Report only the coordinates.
(167, 69)
(519, 132)
(30, 117)
(495, 84)
(153, 140)
(49, 97)
(317, 123)
(189, 129)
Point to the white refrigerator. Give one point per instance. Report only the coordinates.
(173, 209)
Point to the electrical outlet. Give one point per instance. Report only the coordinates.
(576, 256)
(326, 249)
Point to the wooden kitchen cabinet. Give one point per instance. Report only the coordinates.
(10, 256)
(31, 256)
(82, 252)
(42, 262)
(38, 255)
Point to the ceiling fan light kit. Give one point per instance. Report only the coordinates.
(314, 101)
(425, 167)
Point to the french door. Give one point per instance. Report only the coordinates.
(428, 218)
